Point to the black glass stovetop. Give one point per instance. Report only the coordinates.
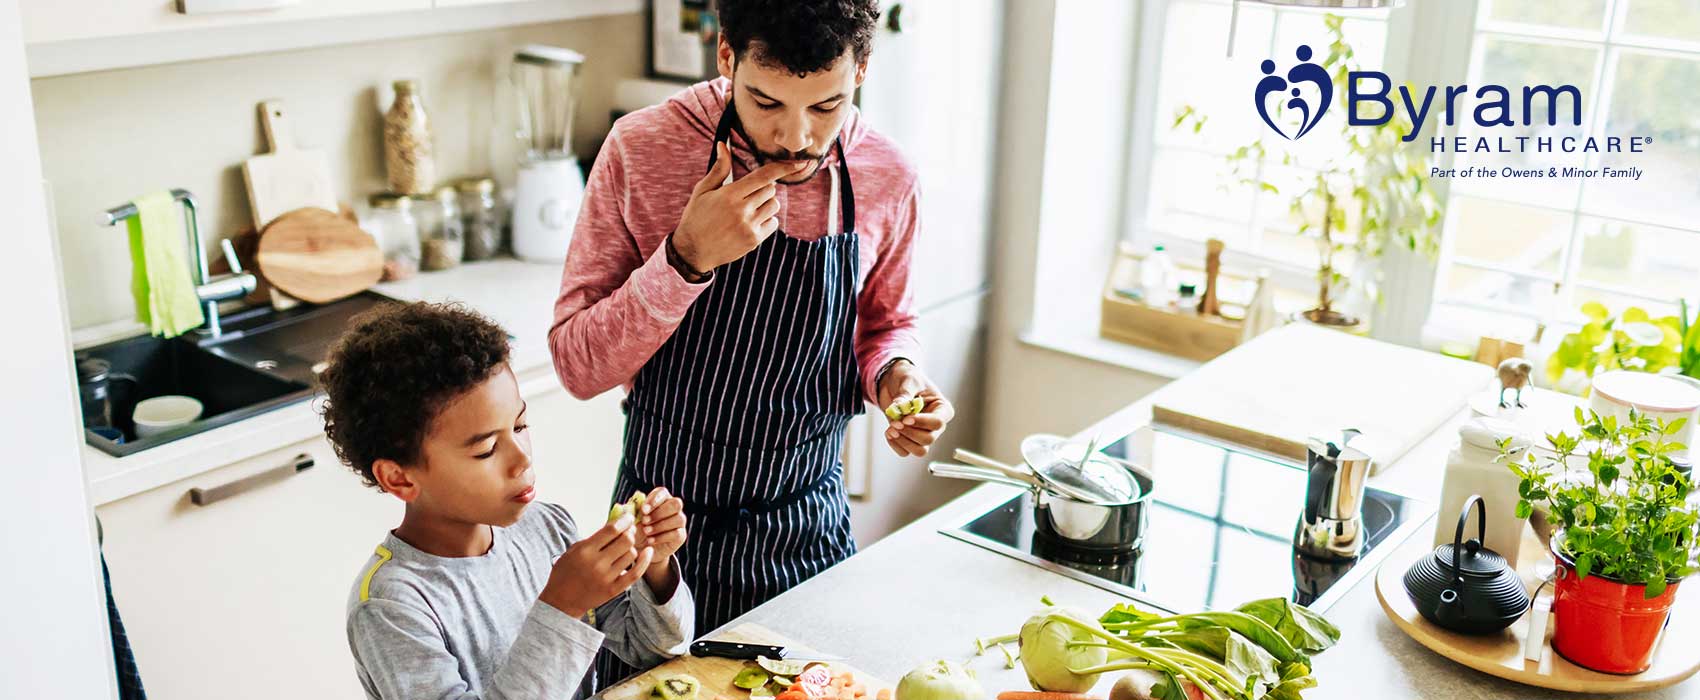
(1220, 531)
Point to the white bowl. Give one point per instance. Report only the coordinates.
(162, 413)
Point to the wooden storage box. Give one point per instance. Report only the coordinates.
(1180, 332)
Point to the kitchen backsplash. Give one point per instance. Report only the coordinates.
(110, 136)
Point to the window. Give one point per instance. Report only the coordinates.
(1513, 252)
(1540, 248)
(1188, 189)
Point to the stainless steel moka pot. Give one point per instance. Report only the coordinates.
(1332, 526)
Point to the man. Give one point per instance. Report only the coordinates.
(750, 311)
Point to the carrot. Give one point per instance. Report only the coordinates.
(859, 689)
(793, 695)
(846, 694)
(1043, 695)
(884, 694)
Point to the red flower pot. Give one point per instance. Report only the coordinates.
(1604, 624)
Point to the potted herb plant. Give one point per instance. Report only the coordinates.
(1626, 534)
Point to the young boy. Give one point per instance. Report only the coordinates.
(475, 594)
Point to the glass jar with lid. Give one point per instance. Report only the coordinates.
(441, 229)
(390, 220)
(482, 214)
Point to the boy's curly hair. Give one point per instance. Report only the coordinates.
(801, 36)
(394, 370)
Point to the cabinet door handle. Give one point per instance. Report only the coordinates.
(209, 496)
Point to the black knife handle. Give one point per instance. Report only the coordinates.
(736, 650)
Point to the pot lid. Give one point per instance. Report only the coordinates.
(1487, 432)
(1647, 392)
(1475, 560)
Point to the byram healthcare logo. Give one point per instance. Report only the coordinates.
(1304, 72)
(1547, 118)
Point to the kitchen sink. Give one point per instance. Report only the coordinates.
(264, 359)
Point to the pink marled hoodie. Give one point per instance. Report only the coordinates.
(620, 300)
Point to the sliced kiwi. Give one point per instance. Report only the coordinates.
(762, 691)
(751, 678)
(680, 687)
(787, 669)
(783, 681)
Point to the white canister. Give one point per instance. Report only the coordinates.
(1657, 396)
(1471, 469)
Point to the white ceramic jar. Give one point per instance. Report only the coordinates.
(1472, 469)
(1665, 398)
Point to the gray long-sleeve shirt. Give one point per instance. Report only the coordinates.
(428, 627)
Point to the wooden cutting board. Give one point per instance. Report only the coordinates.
(1300, 381)
(285, 178)
(318, 256)
(716, 674)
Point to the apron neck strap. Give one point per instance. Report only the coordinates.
(846, 191)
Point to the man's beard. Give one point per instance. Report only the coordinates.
(763, 157)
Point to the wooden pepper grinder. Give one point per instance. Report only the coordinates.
(1210, 305)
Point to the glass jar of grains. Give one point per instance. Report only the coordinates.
(478, 208)
(441, 229)
(391, 222)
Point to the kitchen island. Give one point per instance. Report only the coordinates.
(919, 595)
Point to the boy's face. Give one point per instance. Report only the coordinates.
(475, 458)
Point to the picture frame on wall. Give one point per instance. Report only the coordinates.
(682, 38)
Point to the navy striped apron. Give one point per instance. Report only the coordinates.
(742, 414)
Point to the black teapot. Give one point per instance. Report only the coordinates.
(1464, 586)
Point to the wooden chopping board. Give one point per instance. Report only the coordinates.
(1677, 658)
(285, 178)
(318, 256)
(1301, 381)
(716, 674)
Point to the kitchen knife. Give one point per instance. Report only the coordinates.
(743, 650)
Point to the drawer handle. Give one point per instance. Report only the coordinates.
(209, 496)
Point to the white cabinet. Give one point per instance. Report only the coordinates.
(899, 489)
(61, 20)
(244, 596)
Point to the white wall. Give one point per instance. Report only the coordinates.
(1064, 113)
(53, 638)
(109, 136)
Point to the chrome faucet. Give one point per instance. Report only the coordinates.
(210, 291)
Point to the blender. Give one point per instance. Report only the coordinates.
(549, 184)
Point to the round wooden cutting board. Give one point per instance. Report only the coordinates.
(318, 256)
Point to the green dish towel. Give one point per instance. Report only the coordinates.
(159, 278)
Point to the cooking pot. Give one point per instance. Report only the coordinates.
(1117, 526)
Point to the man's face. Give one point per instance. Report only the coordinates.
(476, 456)
(785, 116)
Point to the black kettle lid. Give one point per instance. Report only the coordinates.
(1473, 560)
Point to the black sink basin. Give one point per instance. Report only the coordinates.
(264, 360)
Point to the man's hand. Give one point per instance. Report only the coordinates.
(662, 529)
(722, 224)
(596, 569)
(912, 435)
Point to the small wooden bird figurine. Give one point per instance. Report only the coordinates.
(1513, 374)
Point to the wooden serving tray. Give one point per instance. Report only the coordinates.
(716, 674)
(1677, 658)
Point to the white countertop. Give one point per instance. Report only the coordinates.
(517, 295)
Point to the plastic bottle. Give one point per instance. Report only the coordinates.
(1158, 277)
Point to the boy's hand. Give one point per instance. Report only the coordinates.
(663, 530)
(596, 569)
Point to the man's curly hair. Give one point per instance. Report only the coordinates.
(394, 370)
(801, 36)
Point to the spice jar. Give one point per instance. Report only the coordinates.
(482, 216)
(408, 156)
(391, 222)
(441, 230)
